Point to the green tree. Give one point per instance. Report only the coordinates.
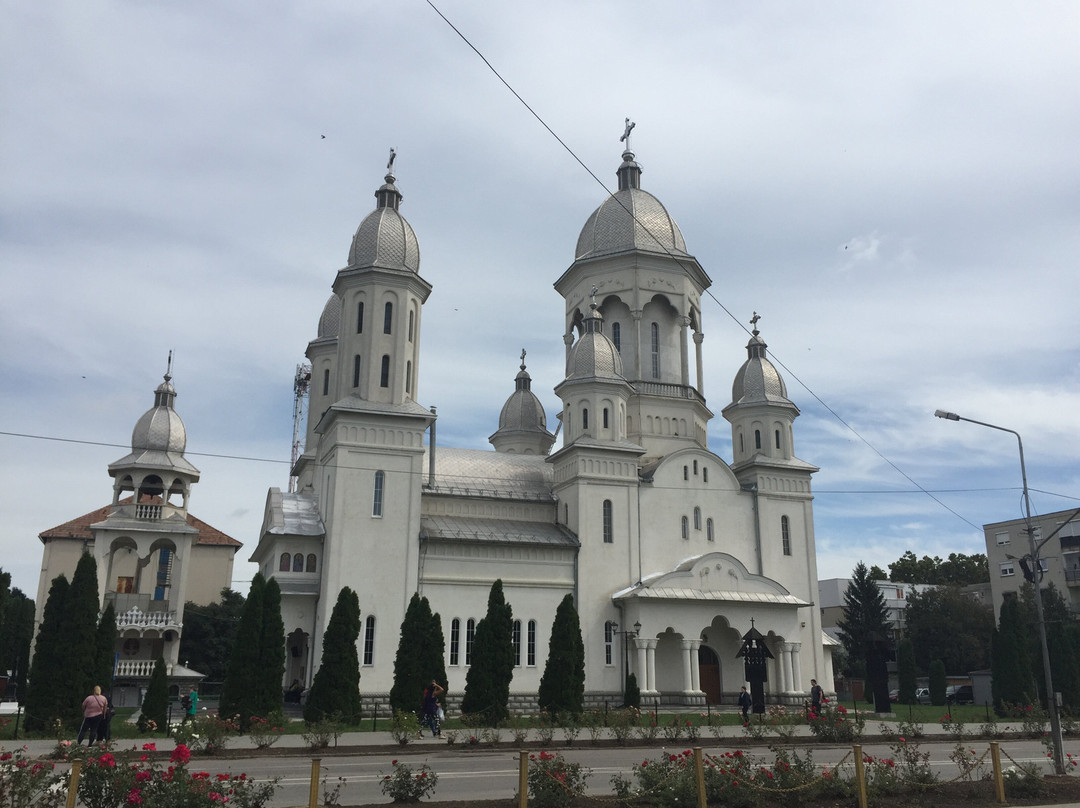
(410, 674)
(959, 569)
(269, 698)
(937, 683)
(1060, 632)
(240, 688)
(105, 644)
(864, 631)
(336, 688)
(155, 706)
(487, 683)
(209, 634)
(946, 623)
(16, 636)
(1012, 681)
(562, 687)
(78, 636)
(906, 672)
(44, 698)
(878, 574)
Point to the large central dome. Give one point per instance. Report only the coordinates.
(384, 238)
(630, 219)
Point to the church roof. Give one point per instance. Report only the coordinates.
(499, 531)
(758, 381)
(292, 514)
(79, 527)
(159, 437)
(473, 472)
(629, 219)
(729, 596)
(330, 321)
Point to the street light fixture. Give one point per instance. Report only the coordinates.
(1036, 570)
(626, 635)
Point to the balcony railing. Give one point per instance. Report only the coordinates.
(146, 512)
(665, 390)
(138, 668)
(137, 617)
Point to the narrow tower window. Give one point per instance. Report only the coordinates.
(455, 639)
(356, 371)
(585, 418)
(709, 530)
(470, 632)
(515, 638)
(778, 439)
(757, 438)
(605, 417)
(697, 518)
(369, 640)
(655, 351)
(686, 472)
(326, 382)
(384, 374)
(412, 318)
(376, 500)
(616, 336)
(408, 377)
(609, 641)
(705, 474)
(685, 528)
(387, 318)
(609, 535)
(785, 534)
(360, 317)
(530, 658)
(311, 563)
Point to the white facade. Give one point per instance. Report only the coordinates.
(672, 553)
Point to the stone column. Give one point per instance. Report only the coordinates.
(785, 658)
(698, 337)
(796, 666)
(650, 664)
(642, 668)
(695, 668)
(688, 683)
(684, 358)
(636, 314)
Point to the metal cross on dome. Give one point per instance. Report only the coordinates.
(626, 132)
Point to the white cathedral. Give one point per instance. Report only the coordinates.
(671, 552)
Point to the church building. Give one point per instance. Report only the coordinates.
(671, 552)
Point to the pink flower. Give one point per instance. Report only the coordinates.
(134, 797)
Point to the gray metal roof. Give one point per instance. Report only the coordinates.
(729, 596)
(477, 473)
(501, 531)
(292, 514)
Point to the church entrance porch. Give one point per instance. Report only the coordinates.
(710, 674)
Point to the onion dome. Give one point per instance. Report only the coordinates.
(629, 219)
(160, 428)
(384, 239)
(330, 321)
(522, 422)
(758, 381)
(594, 355)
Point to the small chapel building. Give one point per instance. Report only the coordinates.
(672, 553)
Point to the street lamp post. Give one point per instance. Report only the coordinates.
(626, 634)
(1036, 568)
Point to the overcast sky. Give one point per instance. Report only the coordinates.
(894, 187)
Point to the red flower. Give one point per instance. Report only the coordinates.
(134, 797)
(181, 754)
(107, 760)
(149, 747)
(143, 776)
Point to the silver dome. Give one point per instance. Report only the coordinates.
(523, 410)
(758, 380)
(384, 238)
(594, 355)
(630, 219)
(330, 321)
(160, 428)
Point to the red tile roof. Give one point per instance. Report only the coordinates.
(79, 528)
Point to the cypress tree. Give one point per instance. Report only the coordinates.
(18, 633)
(49, 668)
(238, 691)
(906, 672)
(434, 651)
(155, 706)
(106, 649)
(1012, 676)
(632, 696)
(272, 652)
(79, 638)
(937, 683)
(562, 687)
(409, 675)
(487, 684)
(336, 688)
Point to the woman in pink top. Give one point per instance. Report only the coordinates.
(93, 708)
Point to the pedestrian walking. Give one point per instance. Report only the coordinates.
(94, 707)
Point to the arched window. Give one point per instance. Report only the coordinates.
(609, 642)
(584, 417)
(455, 639)
(655, 350)
(695, 468)
(742, 448)
(408, 376)
(697, 518)
(778, 439)
(412, 326)
(311, 565)
(376, 499)
(360, 317)
(685, 528)
(616, 336)
(530, 658)
(286, 563)
(470, 632)
(605, 417)
(387, 317)
(757, 438)
(369, 640)
(705, 474)
(686, 472)
(384, 373)
(298, 562)
(326, 382)
(515, 638)
(785, 534)
(709, 530)
(609, 535)
(356, 371)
